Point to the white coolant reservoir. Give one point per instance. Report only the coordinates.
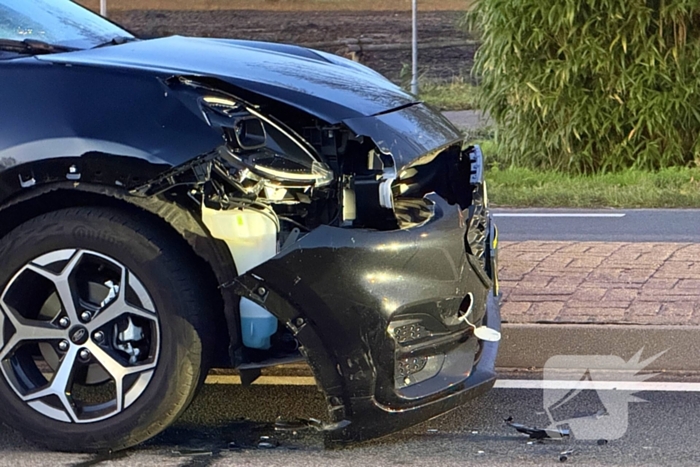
(252, 239)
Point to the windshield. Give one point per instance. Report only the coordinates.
(59, 22)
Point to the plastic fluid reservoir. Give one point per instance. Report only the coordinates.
(252, 238)
(257, 325)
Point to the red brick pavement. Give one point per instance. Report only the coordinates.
(595, 282)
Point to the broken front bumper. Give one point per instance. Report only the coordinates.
(380, 316)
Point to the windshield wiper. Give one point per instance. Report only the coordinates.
(116, 41)
(33, 46)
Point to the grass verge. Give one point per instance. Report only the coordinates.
(454, 95)
(668, 188)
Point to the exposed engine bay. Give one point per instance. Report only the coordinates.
(270, 183)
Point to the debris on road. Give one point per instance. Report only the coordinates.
(267, 442)
(602, 442)
(235, 447)
(192, 452)
(299, 424)
(564, 456)
(262, 443)
(539, 433)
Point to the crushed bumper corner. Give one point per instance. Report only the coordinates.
(372, 420)
(380, 317)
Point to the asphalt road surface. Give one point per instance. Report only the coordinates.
(605, 225)
(662, 431)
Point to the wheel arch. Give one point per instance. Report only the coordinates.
(210, 256)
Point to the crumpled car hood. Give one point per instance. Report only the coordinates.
(330, 87)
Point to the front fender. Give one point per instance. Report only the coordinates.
(92, 125)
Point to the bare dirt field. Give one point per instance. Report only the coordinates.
(323, 30)
(281, 5)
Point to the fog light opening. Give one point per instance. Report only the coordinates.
(413, 370)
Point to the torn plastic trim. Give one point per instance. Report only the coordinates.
(539, 433)
(453, 173)
(386, 195)
(476, 158)
(409, 134)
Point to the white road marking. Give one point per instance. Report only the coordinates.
(635, 386)
(558, 214)
(598, 385)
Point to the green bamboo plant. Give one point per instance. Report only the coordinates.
(590, 86)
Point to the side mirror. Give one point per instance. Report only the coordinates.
(250, 133)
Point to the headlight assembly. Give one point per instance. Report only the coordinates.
(262, 145)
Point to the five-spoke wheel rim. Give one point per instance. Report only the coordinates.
(79, 336)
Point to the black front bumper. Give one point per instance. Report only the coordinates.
(377, 314)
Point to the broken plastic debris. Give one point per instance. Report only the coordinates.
(299, 424)
(474, 432)
(480, 453)
(602, 442)
(267, 442)
(192, 452)
(564, 456)
(538, 433)
(264, 442)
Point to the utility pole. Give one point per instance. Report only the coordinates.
(414, 60)
(103, 8)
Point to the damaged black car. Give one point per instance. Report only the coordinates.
(173, 205)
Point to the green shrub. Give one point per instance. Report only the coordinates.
(591, 85)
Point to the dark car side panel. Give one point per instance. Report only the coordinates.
(72, 123)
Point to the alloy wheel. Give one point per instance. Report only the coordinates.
(79, 336)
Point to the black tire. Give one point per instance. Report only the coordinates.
(163, 263)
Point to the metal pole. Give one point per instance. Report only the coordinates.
(414, 61)
(103, 7)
